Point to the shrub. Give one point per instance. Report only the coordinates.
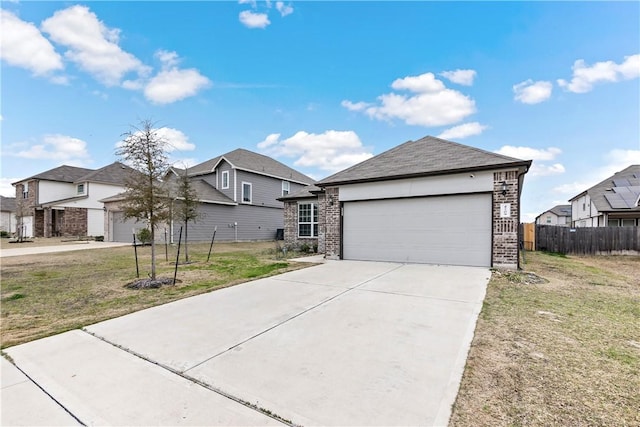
(144, 236)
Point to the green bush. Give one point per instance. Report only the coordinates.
(4, 233)
(144, 236)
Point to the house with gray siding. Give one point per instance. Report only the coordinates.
(238, 196)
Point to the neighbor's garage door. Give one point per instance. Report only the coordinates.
(122, 230)
(452, 230)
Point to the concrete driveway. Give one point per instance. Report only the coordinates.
(342, 343)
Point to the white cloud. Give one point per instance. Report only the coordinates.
(72, 151)
(92, 45)
(6, 189)
(540, 169)
(431, 104)
(175, 84)
(585, 76)
(537, 155)
(283, 8)
(168, 59)
(254, 20)
(330, 151)
(463, 131)
(22, 45)
(614, 161)
(176, 139)
(355, 106)
(461, 77)
(528, 153)
(530, 92)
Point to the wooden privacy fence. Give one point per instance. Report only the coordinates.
(587, 240)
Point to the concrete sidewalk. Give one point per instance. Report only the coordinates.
(24, 248)
(341, 343)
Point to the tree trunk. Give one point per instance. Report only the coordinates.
(153, 253)
(186, 251)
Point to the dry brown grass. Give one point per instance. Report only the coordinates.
(46, 294)
(564, 352)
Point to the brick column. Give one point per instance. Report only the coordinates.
(290, 222)
(322, 222)
(505, 230)
(332, 223)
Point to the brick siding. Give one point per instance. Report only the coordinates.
(505, 230)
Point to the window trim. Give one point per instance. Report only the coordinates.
(78, 188)
(222, 184)
(250, 193)
(287, 189)
(313, 223)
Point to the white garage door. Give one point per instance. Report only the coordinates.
(453, 230)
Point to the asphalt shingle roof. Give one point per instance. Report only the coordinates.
(115, 173)
(62, 173)
(7, 204)
(207, 193)
(304, 193)
(426, 156)
(254, 162)
(622, 187)
(561, 210)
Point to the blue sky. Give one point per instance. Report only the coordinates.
(323, 85)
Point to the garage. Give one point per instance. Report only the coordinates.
(121, 229)
(452, 229)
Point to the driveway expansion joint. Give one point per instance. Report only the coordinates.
(29, 379)
(182, 374)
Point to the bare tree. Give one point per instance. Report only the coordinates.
(186, 207)
(146, 198)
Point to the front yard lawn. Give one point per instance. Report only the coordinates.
(562, 352)
(47, 294)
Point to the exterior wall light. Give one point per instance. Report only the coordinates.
(504, 188)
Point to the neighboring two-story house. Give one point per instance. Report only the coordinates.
(64, 201)
(237, 195)
(612, 202)
(558, 215)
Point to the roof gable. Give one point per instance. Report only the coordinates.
(252, 162)
(426, 156)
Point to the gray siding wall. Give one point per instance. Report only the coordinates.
(265, 190)
(253, 223)
(222, 167)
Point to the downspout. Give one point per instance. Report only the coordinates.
(520, 184)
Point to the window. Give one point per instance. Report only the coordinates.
(584, 206)
(285, 188)
(225, 180)
(80, 189)
(548, 219)
(613, 223)
(25, 190)
(628, 222)
(246, 192)
(307, 220)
